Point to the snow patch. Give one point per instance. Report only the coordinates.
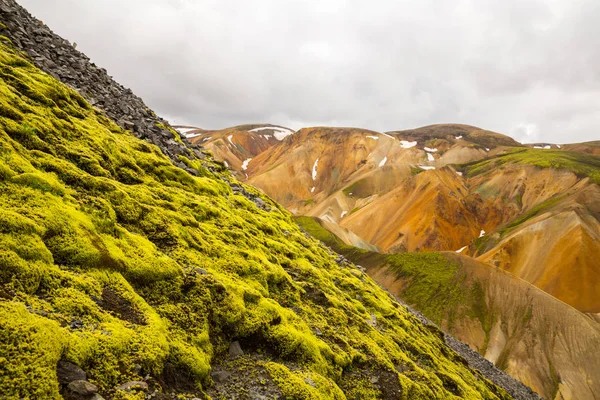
(373, 137)
(547, 147)
(486, 149)
(429, 149)
(225, 162)
(537, 147)
(314, 171)
(481, 233)
(245, 164)
(343, 213)
(205, 139)
(312, 189)
(461, 249)
(229, 138)
(279, 133)
(184, 131)
(390, 136)
(558, 145)
(426, 167)
(382, 162)
(430, 157)
(459, 173)
(407, 145)
(458, 137)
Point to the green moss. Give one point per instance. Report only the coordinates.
(125, 260)
(530, 214)
(582, 164)
(354, 189)
(31, 347)
(302, 386)
(42, 182)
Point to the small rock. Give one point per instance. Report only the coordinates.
(260, 203)
(96, 396)
(374, 379)
(310, 382)
(235, 350)
(137, 369)
(133, 385)
(76, 324)
(68, 372)
(220, 376)
(83, 388)
(372, 321)
(318, 332)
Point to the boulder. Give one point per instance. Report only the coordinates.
(235, 350)
(68, 372)
(82, 388)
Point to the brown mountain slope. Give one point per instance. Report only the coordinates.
(330, 159)
(396, 191)
(543, 342)
(469, 133)
(236, 146)
(586, 147)
(557, 248)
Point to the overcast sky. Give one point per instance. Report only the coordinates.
(527, 68)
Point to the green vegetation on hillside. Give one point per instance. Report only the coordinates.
(118, 261)
(530, 214)
(583, 165)
(432, 281)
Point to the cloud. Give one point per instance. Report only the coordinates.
(504, 66)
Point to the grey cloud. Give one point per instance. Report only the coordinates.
(526, 68)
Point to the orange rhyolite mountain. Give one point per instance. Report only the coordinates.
(431, 189)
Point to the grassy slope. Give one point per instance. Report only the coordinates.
(582, 164)
(90, 213)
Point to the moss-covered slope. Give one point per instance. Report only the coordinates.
(116, 260)
(582, 164)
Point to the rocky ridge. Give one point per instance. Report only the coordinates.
(59, 58)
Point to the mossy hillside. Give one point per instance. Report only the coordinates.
(582, 164)
(114, 259)
(434, 283)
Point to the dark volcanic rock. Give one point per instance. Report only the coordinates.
(82, 388)
(68, 372)
(235, 350)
